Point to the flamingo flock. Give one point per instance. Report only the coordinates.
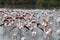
(29, 25)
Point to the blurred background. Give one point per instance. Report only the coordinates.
(30, 4)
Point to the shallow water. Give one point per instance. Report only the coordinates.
(5, 34)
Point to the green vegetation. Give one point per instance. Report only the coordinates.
(32, 3)
(48, 3)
